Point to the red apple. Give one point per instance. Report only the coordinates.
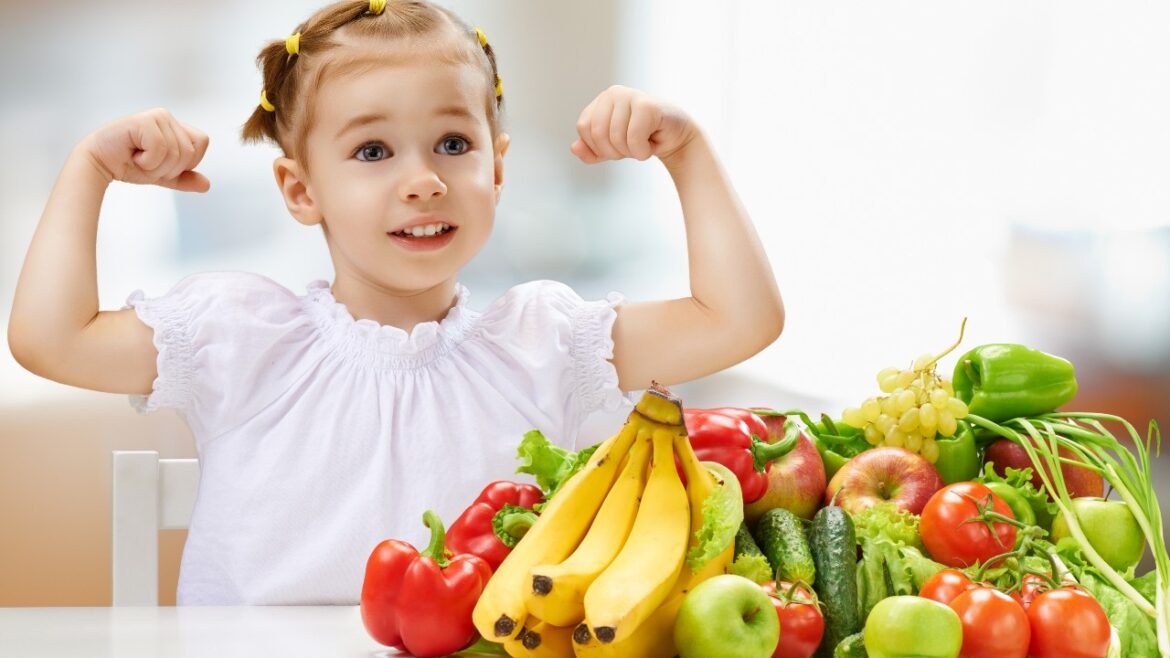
(879, 474)
(796, 481)
(1080, 481)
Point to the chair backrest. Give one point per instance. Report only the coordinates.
(149, 494)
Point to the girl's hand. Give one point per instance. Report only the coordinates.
(627, 123)
(150, 147)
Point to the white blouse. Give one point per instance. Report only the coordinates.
(319, 435)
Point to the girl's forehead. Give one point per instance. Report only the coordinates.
(409, 88)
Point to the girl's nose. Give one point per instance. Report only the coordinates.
(421, 183)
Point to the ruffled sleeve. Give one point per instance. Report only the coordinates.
(221, 337)
(566, 344)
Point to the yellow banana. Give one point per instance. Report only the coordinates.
(641, 576)
(500, 610)
(540, 639)
(556, 591)
(654, 638)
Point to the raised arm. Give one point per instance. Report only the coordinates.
(55, 329)
(734, 309)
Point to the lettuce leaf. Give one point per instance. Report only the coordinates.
(753, 567)
(1137, 632)
(722, 514)
(886, 519)
(890, 568)
(551, 465)
(1020, 479)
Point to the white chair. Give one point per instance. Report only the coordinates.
(149, 494)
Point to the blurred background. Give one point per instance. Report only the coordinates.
(906, 166)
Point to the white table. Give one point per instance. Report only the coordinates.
(187, 632)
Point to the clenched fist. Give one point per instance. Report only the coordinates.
(150, 147)
(627, 123)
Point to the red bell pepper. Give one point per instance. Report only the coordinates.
(422, 602)
(495, 521)
(737, 438)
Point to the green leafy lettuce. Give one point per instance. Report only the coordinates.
(892, 561)
(1020, 479)
(1137, 631)
(551, 465)
(885, 519)
(753, 567)
(722, 515)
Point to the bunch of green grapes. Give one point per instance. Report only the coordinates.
(918, 406)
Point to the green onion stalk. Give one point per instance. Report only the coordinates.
(1096, 448)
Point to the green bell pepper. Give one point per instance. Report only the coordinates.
(958, 456)
(836, 442)
(1001, 381)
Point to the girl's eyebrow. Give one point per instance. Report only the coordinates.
(457, 111)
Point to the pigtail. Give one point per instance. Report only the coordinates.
(262, 124)
(497, 81)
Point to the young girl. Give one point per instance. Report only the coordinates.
(329, 421)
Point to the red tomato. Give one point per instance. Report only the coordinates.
(955, 542)
(801, 623)
(994, 626)
(945, 585)
(1068, 623)
(1031, 587)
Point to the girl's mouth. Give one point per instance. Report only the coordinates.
(418, 240)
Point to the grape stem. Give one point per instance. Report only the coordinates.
(962, 328)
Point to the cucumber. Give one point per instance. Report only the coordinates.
(851, 647)
(834, 551)
(781, 538)
(744, 543)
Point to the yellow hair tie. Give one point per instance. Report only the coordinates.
(377, 6)
(293, 43)
(264, 101)
(482, 37)
(499, 86)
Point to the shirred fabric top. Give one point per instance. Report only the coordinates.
(320, 435)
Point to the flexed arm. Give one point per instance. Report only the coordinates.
(735, 309)
(55, 329)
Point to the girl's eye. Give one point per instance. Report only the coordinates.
(371, 151)
(456, 144)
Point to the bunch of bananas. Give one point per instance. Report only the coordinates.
(603, 570)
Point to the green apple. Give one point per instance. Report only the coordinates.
(912, 627)
(1110, 528)
(726, 616)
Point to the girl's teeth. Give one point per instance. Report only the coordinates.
(426, 231)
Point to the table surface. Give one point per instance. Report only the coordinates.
(188, 632)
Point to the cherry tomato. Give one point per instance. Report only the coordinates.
(994, 626)
(1068, 623)
(945, 585)
(1031, 587)
(952, 537)
(801, 623)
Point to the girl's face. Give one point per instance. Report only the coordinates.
(405, 144)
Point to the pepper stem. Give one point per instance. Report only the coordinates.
(437, 549)
(764, 452)
(511, 522)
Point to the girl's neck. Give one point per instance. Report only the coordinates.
(402, 309)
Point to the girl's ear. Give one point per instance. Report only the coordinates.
(501, 147)
(293, 186)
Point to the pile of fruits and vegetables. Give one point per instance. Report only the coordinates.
(940, 518)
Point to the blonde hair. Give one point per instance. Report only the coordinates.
(327, 40)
